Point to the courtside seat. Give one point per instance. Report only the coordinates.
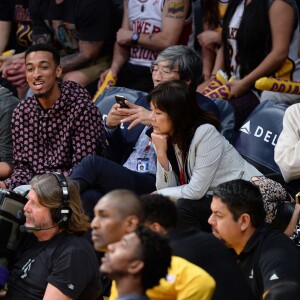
(257, 138)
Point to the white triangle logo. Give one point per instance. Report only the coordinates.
(274, 277)
(246, 128)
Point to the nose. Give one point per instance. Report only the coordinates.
(152, 116)
(26, 206)
(93, 224)
(211, 219)
(36, 73)
(156, 76)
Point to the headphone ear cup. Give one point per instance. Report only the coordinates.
(55, 214)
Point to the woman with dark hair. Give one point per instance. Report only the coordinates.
(192, 156)
(260, 39)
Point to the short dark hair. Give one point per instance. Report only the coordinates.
(44, 47)
(156, 254)
(160, 209)
(127, 203)
(241, 196)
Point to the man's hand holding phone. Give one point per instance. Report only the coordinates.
(136, 115)
(127, 112)
(115, 114)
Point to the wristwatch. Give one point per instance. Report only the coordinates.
(134, 38)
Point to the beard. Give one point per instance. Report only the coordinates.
(39, 95)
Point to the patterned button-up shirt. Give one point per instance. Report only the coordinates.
(57, 139)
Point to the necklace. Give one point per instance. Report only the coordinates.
(180, 159)
(143, 6)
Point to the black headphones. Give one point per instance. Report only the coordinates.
(63, 213)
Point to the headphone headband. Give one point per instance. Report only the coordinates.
(63, 185)
(62, 181)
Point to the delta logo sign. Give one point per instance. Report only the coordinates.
(260, 133)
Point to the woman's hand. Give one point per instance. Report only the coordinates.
(104, 74)
(160, 142)
(209, 38)
(238, 88)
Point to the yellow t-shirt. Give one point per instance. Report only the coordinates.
(185, 281)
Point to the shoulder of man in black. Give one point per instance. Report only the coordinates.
(268, 258)
(206, 251)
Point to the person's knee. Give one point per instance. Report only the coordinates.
(194, 213)
(183, 204)
(76, 76)
(91, 160)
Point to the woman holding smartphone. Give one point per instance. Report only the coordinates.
(192, 156)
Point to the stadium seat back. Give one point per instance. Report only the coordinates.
(107, 99)
(258, 136)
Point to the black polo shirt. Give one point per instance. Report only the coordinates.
(209, 253)
(268, 258)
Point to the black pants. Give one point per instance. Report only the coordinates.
(97, 176)
(194, 213)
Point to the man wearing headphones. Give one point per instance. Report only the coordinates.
(56, 261)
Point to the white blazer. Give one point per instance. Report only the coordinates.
(211, 160)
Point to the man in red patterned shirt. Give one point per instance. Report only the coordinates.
(56, 127)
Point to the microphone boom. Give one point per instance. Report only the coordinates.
(24, 228)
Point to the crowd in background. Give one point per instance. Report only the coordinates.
(178, 159)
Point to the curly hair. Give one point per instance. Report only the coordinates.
(156, 253)
(160, 209)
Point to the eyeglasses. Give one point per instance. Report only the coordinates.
(163, 71)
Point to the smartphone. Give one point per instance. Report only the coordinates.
(121, 100)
